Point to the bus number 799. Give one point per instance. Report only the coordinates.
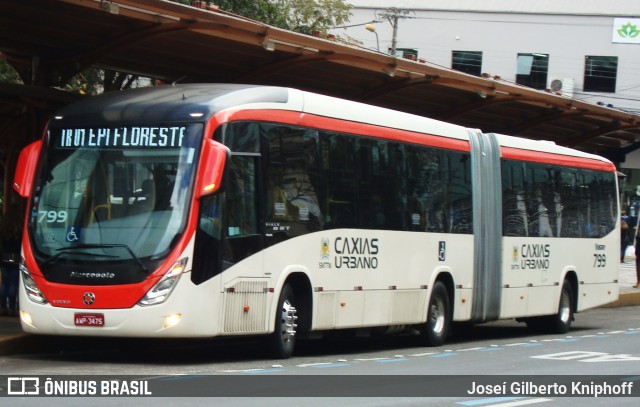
(599, 260)
(52, 216)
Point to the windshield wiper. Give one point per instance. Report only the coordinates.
(68, 250)
(72, 250)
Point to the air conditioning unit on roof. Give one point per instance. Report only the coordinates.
(563, 86)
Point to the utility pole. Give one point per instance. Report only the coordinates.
(392, 15)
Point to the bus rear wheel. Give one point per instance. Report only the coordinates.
(560, 323)
(282, 341)
(435, 331)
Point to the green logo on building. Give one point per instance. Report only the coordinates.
(628, 31)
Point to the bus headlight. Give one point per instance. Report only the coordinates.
(163, 288)
(30, 286)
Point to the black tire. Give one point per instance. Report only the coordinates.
(560, 323)
(282, 341)
(436, 329)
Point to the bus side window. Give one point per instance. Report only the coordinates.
(516, 222)
(240, 204)
(569, 196)
(292, 195)
(338, 166)
(458, 196)
(597, 204)
(540, 200)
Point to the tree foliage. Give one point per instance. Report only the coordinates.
(303, 16)
(7, 73)
(94, 81)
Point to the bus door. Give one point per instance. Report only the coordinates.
(241, 234)
(229, 243)
(228, 230)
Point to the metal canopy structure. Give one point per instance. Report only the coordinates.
(49, 41)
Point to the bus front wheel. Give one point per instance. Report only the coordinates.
(436, 330)
(282, 341)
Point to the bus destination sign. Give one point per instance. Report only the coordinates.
(122, 137)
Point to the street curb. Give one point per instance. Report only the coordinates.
(625, 299)
(10, 345)
(11, 337)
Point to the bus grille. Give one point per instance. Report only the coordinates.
(245, 307)
(326, 314)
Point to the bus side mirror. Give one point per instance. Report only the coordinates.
(212, 161)
(26, 168)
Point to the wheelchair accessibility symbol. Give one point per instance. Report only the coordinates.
(442, 252)
(73, 234)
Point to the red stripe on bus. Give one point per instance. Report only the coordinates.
(342, 126)
(106, 297)
(556, 159)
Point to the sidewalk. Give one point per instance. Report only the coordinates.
(10, 326)
(627, 280)
(627, 275)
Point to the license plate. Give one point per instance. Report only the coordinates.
(89, 319)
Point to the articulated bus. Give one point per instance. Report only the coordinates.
(236, 210)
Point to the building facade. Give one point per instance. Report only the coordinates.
(584, 49)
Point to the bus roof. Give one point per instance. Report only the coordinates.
(177, 102)
(168, 103)
(545, 147)
(362, 113)
(198, 102)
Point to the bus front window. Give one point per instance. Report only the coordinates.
(121, 201)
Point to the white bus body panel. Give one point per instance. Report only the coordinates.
(530, 280)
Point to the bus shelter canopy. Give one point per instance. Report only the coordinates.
(50, 41)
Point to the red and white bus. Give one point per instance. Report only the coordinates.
(229, 210)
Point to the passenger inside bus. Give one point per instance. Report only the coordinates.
(146, 199)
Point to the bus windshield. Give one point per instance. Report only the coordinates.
(117, 194)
